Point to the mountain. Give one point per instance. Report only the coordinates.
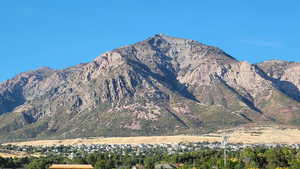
(160, 86)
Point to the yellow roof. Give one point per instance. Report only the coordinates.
(70, 166)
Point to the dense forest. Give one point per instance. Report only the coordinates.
(262, 158)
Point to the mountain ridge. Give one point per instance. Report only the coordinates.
(160, 86)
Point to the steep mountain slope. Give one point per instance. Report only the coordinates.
(285, 74)
(24, 86)
(162, 85)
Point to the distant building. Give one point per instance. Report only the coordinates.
(164, 166)
(70, 166)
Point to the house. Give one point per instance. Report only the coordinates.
(70, 166)
(164, 166)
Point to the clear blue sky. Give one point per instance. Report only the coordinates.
(62, 33)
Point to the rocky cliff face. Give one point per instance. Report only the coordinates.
(162, 85)
(286, 75)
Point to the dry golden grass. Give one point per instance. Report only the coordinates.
(252, 135)
(120, 140)
(265, 135)
(16, 154)
(8, 155)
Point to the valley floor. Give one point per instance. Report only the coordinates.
(247, 134)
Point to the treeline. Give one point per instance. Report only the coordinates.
(262, 158)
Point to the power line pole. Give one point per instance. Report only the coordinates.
(224, 143)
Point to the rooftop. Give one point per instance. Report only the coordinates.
(70, 166)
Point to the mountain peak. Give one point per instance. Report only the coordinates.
(160, 35)
(166, 47)
(167, 38)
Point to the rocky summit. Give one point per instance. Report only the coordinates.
(160, 86)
